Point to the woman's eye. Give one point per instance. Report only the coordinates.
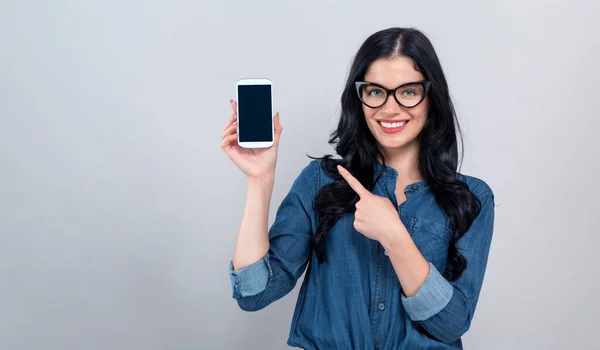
(376, 92)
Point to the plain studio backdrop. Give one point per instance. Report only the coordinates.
(119, 211)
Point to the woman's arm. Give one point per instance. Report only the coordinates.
(253, 242)
(445, 309)
(268, 268)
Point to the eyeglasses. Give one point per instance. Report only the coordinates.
(407, 95)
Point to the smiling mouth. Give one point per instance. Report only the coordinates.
(393, 125)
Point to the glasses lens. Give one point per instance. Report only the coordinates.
(372, 96)
(410, 95)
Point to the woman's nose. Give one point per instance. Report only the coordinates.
(391, 106)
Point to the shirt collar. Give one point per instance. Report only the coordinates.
(390, 172)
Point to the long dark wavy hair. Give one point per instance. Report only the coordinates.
(359, 151)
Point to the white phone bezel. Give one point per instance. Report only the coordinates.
(254, 81)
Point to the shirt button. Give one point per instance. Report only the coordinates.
(414, 187)
(385, 252)
(381, 306)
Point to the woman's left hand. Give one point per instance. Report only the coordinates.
(375, 217)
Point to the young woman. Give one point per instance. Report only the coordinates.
(395, 239)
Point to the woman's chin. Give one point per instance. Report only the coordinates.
(389, 142)
(393, 145)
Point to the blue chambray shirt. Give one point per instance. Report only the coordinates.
(354, 300)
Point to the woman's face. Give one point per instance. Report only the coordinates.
(394, 126)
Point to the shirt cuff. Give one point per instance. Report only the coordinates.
(432, 297)
(250, 280)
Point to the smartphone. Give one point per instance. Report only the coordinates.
(255, 113)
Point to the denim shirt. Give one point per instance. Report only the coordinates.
(354, 299)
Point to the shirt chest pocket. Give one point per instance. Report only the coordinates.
(432, 238)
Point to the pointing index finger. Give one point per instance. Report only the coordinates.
(353, 182)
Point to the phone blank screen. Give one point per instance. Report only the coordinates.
(254, 113)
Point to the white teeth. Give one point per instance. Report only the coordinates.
(392, 125)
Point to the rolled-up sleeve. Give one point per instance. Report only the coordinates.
(273, 276)
(433, 296)
(252, 279)
(445, 309)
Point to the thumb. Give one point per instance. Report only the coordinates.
(277, 127)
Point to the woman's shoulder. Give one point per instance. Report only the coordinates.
(317, 171)
(309, 176)
(478, 186)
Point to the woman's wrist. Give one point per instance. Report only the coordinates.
(261, 182)
(396, 240)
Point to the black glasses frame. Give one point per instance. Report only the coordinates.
(425, 83)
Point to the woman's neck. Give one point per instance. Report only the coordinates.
(405, 161)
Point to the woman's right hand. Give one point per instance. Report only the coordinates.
(258, 163)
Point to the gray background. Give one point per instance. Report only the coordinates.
(119, 211)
